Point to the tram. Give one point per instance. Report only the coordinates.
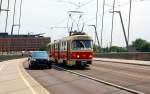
(74, 50)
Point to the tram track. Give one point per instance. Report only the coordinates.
(99, 80)
(129, 76)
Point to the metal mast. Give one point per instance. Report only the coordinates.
(112, 23)
(20, 16)
(7, 16)
(102, 23)
(129, 21)
(1, 6)
(13, 17)
(96, 21)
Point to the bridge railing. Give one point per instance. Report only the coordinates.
(11, 56)
(125, 55)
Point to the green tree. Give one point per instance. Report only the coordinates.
(146, 47)
(96, 48)
(141, 45)
(117, 49)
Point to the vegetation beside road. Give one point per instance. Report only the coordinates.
(139, 45)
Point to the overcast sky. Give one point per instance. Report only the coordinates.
(38, 16)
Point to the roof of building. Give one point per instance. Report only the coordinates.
(6, 35)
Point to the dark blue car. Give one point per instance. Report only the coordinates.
(39, 59)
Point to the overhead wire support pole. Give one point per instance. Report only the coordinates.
(7, 16)
(102, 23)
(96, 20)
(125, 36)
(1, 6)
(96, 35)
(13, 17)
(112, 23)
(129, 21)
(20, 16)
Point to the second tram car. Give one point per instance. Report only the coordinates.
(74, 50)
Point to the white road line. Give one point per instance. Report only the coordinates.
(26, 82)
(102, 81)
(2, 66)
(38, 84)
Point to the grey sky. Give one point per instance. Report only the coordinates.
(38, 16)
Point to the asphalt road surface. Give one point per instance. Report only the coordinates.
(58, 81)
(16, 78)
(135, 77)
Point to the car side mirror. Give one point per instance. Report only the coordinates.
(30, 55)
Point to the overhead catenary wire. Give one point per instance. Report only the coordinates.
(78, 5)
(116, 5)
(93, 18)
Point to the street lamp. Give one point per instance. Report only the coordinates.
(125, 36)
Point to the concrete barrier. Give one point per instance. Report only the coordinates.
(126, 55)
(9, 57)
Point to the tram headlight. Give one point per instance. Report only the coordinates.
(90, 56)
(78, 56)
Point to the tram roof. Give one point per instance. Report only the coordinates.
(73, 37)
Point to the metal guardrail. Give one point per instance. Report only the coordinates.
(125, 55)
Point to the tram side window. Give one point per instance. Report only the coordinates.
(64, 45)
(55, 46)
(52, 47)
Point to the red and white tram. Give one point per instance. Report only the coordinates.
(74, 50)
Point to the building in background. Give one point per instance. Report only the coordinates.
(22, 42)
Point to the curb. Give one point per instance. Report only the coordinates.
(37, 84)
(122, 62)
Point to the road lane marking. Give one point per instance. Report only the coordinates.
(101, 81)
(26, 82)
(2, 66)
(22, 70)
(5, 63)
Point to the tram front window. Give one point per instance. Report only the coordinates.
(81, 44)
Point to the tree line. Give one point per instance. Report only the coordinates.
(139, 45)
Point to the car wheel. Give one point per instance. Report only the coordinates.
(49, 66)
(30, 66)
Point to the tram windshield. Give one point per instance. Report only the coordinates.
(81, 44)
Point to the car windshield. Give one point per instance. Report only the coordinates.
(40, 54)
(81, 44)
